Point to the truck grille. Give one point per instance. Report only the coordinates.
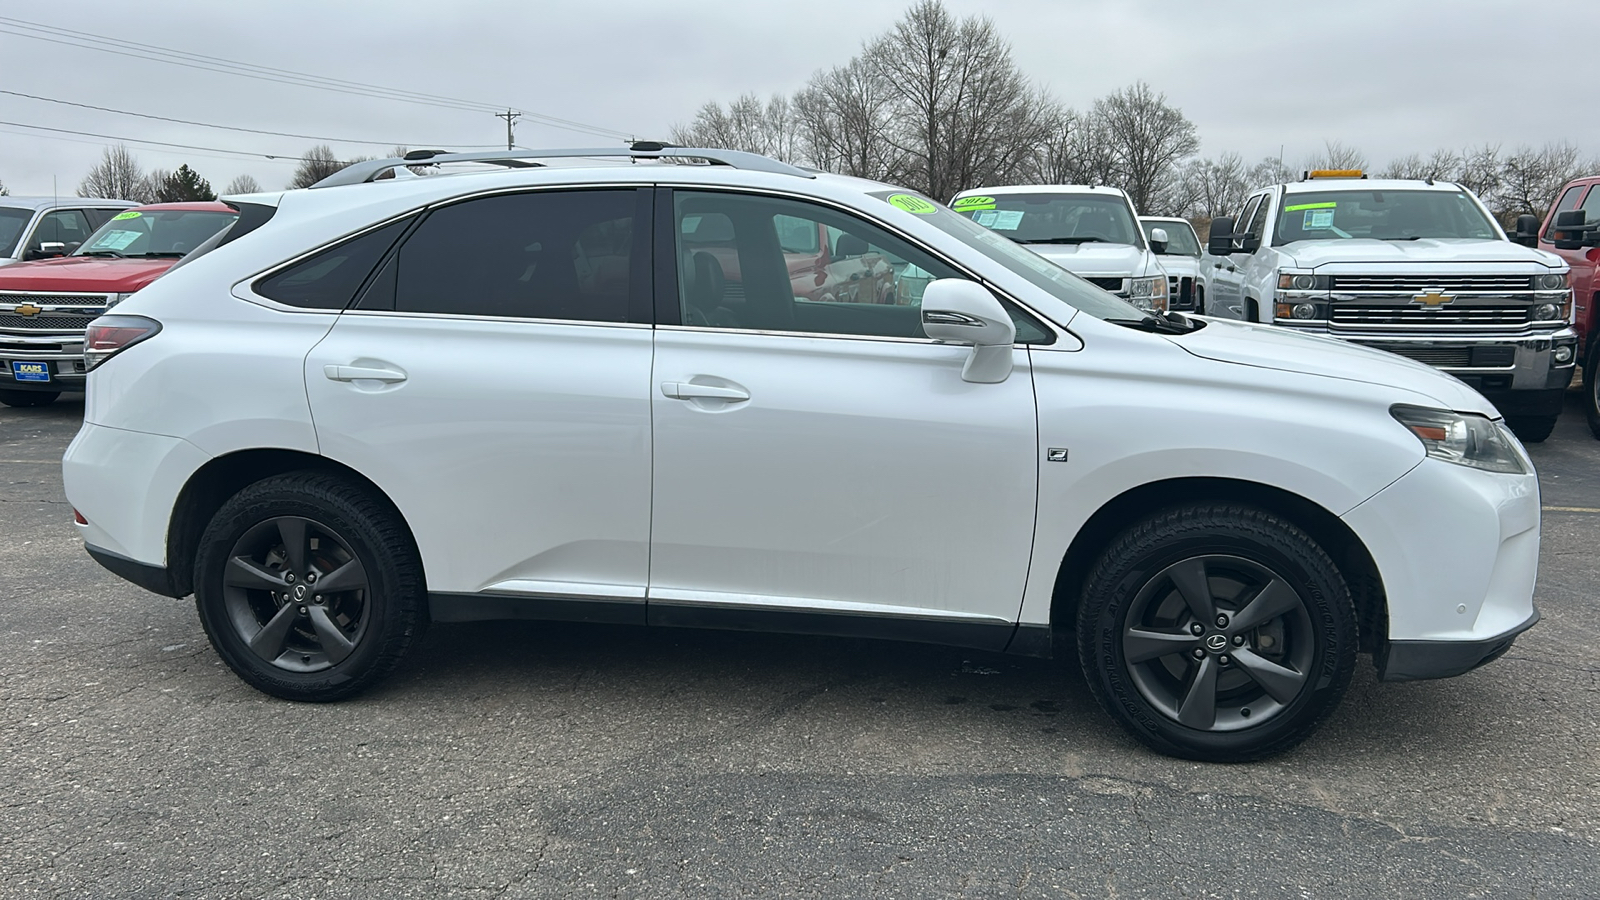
(1417, 284)
(54, 299)
(1457, 356)
(13, 322)
(1110, 284)
(1488, 315)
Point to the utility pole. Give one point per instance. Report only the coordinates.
(510, 117)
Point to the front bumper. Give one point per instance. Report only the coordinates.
(1417, 660)
(61, 353)
(1457, 550)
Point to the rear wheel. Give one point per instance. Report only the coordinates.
(309, 586)
(1591, 386)
(1531, 429)
(1217, 632)
(28, 398)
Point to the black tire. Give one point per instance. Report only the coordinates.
(26, 399)
(1531, 429)
(1276, 630)
(1591, 386)
(313, 643)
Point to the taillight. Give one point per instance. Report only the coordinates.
(109, 335)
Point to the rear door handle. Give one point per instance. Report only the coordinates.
(683, 390)
(362, 373)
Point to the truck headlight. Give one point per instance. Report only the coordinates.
(1302, 281)
(1544, 312)
(1550, 282)
(1464, 439)
(114, 299)
(1149, 292)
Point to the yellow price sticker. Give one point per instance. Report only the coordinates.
(913, 204)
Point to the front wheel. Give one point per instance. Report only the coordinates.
(1217, 632)
(309, 586)
(28, 398)
(1531, 429)
(1591, 386)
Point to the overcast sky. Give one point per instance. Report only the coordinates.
(1386, 76)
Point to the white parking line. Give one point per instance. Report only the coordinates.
(1574, 509)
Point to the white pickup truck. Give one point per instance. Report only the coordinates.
(1418, 268)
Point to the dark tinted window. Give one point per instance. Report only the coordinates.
(12, 221)
(66, 226)
(546, 255)
(1569, 200)
(772, 264)
(329, 279)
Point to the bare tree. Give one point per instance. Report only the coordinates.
(117, 177)
(316, 164)
(965, 115)
(244, 184)
(1530, 179)
(1216, 187)
(746, 124)
(843, 116)
(1335, 155)
(1149, 141)
(1270, 170)
(1479, 171)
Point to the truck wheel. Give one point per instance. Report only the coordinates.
(309, 587)
(1217, 632)
(1591, 386)
(1531, 429)
(28, 398)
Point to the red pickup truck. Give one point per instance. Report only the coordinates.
(46, 305)
(1576, 239)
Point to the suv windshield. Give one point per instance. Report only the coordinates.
(1054, 218)
(1180, 237)
(12, 221)
(156, 232)
(1394, 215)
(1038, 271)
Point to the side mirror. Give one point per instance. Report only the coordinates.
(46, 250)
(1158, 241)
(1527, 233)
(1221, 240)
(958, 311)
(1570, 230)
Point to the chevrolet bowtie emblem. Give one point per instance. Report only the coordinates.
(27, 309)
(1432, 299)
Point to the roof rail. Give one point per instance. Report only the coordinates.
(362, 172)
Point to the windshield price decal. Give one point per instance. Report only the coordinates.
(1299, 206)
(968, 203)
(130, 214)
(913, 204)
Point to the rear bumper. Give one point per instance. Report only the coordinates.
(155, 579)
(1417, 660)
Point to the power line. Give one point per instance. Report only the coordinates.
(131, 140)
(309, 137)
(150, 52)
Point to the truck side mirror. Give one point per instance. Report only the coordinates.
(1571, 230)
(46, 250)
(1527, 233)
(1158, 241)
(1220, 243)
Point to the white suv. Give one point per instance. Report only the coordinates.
(1092, 232)
(602, 392)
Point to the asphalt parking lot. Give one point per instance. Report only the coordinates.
(533, 760)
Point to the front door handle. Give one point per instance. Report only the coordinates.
(362, 373)
(684, 390)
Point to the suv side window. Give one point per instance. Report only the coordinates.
(772, 264)
(68, 226)
(539, 255)
(329, 278)
(1569, 200)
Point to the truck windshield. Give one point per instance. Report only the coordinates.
(1395, 215)
(1050, 218)
(1035, 269)
(1180, 237)
(12, 221)
(167, 233)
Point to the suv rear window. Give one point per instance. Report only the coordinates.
(330, 278)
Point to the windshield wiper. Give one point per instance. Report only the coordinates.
(1172, 323)
(1415, 237)
(163, 254)
(1062, 240)
(99, 253)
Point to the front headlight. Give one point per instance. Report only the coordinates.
(1551, 282)
(1464, 439)
(1149, 292)
(114, 299)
